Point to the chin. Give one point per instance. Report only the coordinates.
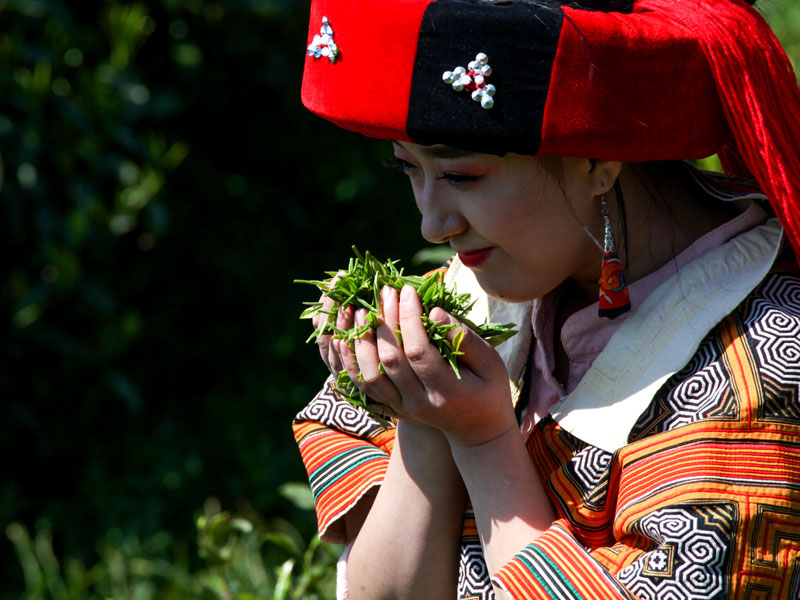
(510, 298)
(506, 293)
(515, 286)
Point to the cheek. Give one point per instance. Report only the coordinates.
(502, 212)
(522, 220)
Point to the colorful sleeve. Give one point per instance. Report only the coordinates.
(345, 452)
(556, 566)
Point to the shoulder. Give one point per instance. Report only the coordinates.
(753, 351)
(778, 293)
(769, 324)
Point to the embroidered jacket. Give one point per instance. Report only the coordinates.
(701, 499)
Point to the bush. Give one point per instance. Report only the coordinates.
(245, 559)
(161, 188)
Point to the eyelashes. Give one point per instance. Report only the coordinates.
(455, 179)
(398, 164)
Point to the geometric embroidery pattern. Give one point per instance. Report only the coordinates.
(701, 390)
(776, 544)
(329, 409)
(587, 470)
(474, 580)
(772, 325)
(690, 561)
(780, 402)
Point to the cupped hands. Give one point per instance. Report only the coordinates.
(415, 382)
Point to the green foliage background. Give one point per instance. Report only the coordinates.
(160, 188)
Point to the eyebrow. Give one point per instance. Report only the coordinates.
(442, 152)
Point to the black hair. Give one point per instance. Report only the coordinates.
(621, 6)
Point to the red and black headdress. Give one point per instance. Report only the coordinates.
(663, 80)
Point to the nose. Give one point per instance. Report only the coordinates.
(441, 217)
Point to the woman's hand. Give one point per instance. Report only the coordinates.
(419, 385)
(331, 349)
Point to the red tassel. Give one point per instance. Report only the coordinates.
(614, 299)
(758, 90)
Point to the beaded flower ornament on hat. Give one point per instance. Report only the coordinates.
(666, 80)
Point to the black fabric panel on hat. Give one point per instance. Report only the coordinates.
(520, 40)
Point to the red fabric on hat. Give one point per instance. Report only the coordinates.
(675, 79)
(368, 87)
(759, 94)
(630, 87)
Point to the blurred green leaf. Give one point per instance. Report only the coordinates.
(285, 543)
(435, 256)
(298, 494)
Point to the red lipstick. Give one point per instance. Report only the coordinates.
(474, 258)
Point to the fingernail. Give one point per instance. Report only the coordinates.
(360, 317)
(407, 293)
(384, 300)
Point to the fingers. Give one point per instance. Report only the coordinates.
(378, 365)
(395, 372)
(345, 319)
(323, 316)
(323, 341)
(330, 349)
(390, 350)
(349, 360)
(389, 308)
(365, 369)
(413, 380)
(423, 357)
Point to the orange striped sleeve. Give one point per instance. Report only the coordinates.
(557, 567)
(341, 469)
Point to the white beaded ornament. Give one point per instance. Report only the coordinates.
(323, 44)
(473, 79)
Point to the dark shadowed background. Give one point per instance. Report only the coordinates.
(160, 188)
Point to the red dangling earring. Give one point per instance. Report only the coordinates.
(614, 299)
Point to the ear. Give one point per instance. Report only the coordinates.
(602, 175)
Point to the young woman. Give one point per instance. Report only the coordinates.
(653, 454)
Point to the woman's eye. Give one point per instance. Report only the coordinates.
(455, 179)
(399, 164)
(458, 179)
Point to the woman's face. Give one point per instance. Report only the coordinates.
(513, 220)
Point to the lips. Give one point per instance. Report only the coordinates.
(474, 258)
